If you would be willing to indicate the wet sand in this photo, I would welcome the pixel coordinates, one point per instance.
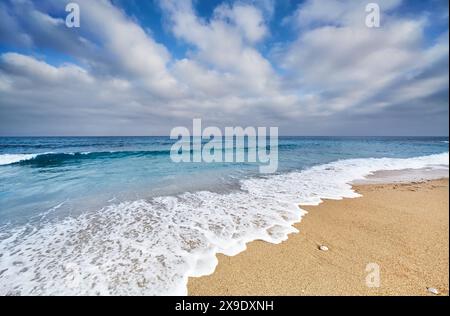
(402, 228)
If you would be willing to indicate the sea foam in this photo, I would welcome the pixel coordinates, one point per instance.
(8, 159)
(151, 247)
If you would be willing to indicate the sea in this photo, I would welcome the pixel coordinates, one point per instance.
(116, 216)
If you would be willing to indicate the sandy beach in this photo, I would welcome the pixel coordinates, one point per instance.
(403, 228)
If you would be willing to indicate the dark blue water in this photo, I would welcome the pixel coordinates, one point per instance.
(84, 173)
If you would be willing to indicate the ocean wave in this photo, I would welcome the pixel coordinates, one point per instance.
(8, 159)
(56, 158)
(151, 247)
(49, 159)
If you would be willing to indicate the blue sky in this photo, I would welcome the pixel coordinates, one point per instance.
(143, 67)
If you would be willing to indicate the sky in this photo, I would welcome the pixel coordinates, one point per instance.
(143, 67)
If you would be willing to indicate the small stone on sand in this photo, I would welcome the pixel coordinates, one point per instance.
(323, 248)
(433, 290)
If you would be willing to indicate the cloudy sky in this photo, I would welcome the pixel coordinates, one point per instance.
(137, 67)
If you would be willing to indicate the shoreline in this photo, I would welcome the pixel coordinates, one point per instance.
(402, 227)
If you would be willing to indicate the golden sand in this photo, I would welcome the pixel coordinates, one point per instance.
(403, 228)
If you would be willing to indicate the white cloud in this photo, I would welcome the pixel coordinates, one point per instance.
(248, 20)
(131, 50)
(39, 72)
(336, 12)
(351, 66)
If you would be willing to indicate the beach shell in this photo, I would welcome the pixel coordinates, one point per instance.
(433, 290)
(323, 248)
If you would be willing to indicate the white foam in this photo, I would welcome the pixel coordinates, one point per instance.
(151, 247)
(404, 176)
(8, 159)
